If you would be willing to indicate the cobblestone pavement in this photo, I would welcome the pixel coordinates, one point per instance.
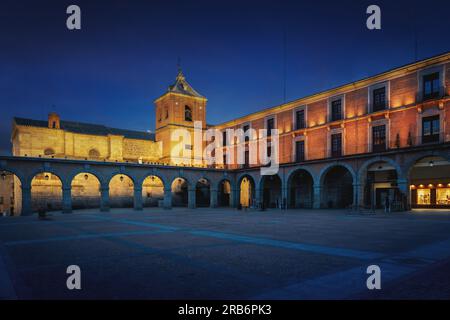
(226, 254)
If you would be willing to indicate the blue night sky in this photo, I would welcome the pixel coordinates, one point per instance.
(231, 51)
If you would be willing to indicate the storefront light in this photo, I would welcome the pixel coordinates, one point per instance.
(430, 185)
(421, 186)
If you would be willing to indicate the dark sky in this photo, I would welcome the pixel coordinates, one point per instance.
(231, 51)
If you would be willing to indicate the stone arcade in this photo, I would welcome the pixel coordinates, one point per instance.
(383, 137)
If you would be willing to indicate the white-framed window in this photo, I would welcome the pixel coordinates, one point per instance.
(299, 118)
(431, 83)
(336, 108)
(270, 123)
(430, 126)
(299, 149)
(378, 135)
(246, 127)
(336, 142)
(379, 96)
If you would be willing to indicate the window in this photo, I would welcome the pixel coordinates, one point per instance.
(424, 196)
(224, 159)
(430, 129)
(300, 119)
(188, 146)
(270, 126)
(224, 138)
(54, 124)
(336, 145)
(246, 159)
(166, 111)
(1, 200)
(93, 153)
(431, 86)
(187, 113)
(379, 138)
(379, 99)
(299, 151)
(49, 152)
(246, 128)
(336, 110)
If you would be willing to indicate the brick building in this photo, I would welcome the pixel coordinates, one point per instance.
(383, 139)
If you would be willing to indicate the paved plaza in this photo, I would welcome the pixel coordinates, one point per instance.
(225, 254)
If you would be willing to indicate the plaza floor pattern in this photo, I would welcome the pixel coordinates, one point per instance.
(226, 254)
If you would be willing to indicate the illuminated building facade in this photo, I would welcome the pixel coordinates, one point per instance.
(377, 141)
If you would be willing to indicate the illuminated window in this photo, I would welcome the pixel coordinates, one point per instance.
(423, 196)
(443, 196)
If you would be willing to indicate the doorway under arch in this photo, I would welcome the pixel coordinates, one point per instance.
(46, 192)
(152, 191)
(300, 190)
(179, 189)
(271, 191)
(85, 191)
(121, 191)
(337, 188)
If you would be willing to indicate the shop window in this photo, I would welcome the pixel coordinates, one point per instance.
(443, 196)
(423, 196)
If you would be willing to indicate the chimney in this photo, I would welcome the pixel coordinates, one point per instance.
(53, 121)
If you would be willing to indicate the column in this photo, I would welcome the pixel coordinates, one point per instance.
(258, 200)
(191, 198)
(67, 200)
(137, 198)
(403, 186)
(167, 198)
(356, 196)
(284, 198)
(213, 198)
(26, 201)
(104, 201)
(317, 196)
(233, 198)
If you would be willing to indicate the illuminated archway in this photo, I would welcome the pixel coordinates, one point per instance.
(46, 192)
(152, 191)
(246, 191)
(121, 191)
(85, 191)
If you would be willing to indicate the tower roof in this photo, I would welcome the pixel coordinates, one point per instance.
(181, 86)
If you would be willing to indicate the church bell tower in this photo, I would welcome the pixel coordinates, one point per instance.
(178, 108)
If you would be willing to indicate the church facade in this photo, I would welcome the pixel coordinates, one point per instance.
(380, 140)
